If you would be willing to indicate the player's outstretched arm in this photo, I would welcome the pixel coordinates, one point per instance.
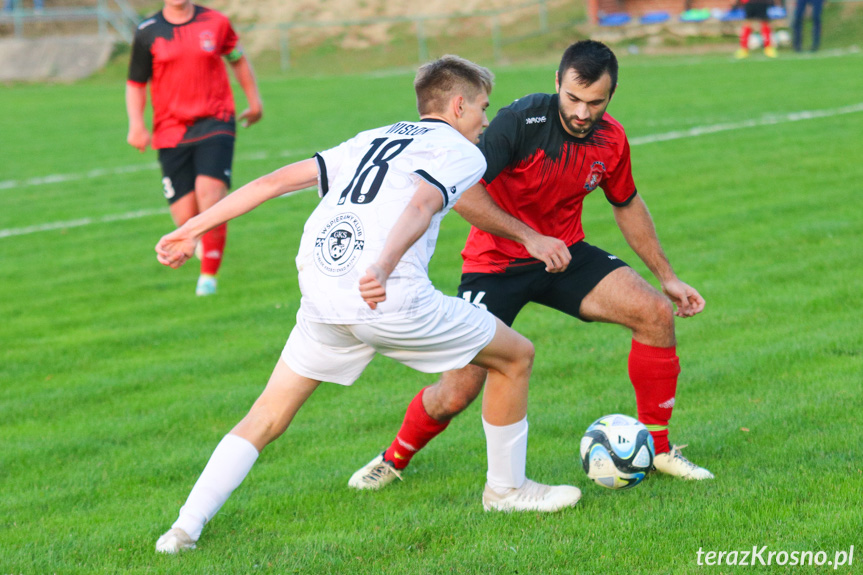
(479, 209)
(636, 224)
(175, 248)
(246, 77)
(411, 225)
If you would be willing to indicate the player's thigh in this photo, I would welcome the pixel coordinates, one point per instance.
(508, 351)
(183, 209)
(326, 352)
(178, 174)
(625, 298)
(208, 191)
(566, 291)
(446, 335)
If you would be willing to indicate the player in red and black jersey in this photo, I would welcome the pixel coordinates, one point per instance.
(756, 15)
(179, 52)
(545, 153)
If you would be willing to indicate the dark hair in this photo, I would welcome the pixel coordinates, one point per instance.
(436, 82)
(590, 60)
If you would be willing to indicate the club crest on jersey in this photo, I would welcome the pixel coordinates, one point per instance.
(208, 44)
(597, 171)
(339, 245)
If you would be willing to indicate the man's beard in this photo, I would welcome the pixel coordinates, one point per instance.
(572, 127)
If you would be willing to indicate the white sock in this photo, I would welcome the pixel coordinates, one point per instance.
(507, 455)
(231, 461)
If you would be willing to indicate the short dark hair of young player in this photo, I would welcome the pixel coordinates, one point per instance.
(590, 60)
(438, 81)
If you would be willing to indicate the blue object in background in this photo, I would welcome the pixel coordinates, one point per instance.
(733, 15)
(776, 12)
(655, 18)
(615, 19)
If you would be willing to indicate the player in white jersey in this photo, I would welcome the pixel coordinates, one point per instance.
(366, 184)
(362, 266)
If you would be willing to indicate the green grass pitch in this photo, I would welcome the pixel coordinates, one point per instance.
(116, 382)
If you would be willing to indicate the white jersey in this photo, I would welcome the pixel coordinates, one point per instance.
(365, 184)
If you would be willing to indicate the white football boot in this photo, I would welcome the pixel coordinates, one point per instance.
(375, 474)
(531, 496)
(174, 541)
(673, 463)
(206, 286)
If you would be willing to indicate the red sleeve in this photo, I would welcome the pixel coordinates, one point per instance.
(618, 185)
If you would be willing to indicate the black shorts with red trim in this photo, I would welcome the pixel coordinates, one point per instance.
(505, 294)
(207, 150)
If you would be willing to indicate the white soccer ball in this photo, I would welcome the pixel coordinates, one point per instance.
(617, 451)
(782, 37)
(755, 41)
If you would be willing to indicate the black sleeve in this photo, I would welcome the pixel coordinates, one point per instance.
(141, 63)
(498, 143)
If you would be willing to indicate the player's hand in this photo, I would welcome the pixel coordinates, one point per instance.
(251, 115)
(175, 248)
(551, 251)
(688, 301)
(139, 138)
(373, 286)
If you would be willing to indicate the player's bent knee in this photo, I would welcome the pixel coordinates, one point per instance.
(655, 324)
(522, 356)
(665, 313)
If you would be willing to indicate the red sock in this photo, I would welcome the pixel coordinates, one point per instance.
(213, 245)
(653, 372)
(744, 36)
(766, 34)
(418, 428)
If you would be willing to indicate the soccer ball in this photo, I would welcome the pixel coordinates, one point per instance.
(755, 41)
(617, 451)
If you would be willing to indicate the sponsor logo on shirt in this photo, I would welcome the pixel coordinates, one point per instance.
(535, 120)
(208, 44)
(597, 171)
(339, 245)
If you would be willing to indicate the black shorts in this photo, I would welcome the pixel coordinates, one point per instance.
(756, 11)
(504, 295)
(181, 165)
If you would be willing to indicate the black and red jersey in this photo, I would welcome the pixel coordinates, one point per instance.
(188, 79)
(540, 174)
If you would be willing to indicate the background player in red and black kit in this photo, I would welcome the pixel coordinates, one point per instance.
(756, 15)
(179, 51)
(545, 153)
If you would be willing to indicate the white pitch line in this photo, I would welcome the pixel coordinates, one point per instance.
(102, 172)
(768, 120)
(78, 223)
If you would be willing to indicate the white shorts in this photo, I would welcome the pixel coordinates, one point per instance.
(447, 337)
